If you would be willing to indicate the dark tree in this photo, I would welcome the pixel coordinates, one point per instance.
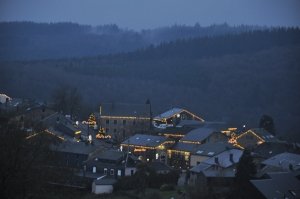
(246, 170)
(266, 122)
(67, 100)
(24, 158)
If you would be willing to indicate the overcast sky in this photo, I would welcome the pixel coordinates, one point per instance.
(142, 14)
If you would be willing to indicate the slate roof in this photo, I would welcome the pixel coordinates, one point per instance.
(145, 140)
(159, 166)
(269, 149)
(224, 168)
(198, 135)
(224, 160)
(108, 155)
(175, 130)
(284, 160)
(187, 147)
(280, 184)
(200, 167)
(124, 109)
(211, 149)
(74, 147)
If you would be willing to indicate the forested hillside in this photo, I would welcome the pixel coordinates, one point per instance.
(28, 40)
(234, 78)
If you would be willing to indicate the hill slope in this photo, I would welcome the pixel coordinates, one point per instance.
(246, 76)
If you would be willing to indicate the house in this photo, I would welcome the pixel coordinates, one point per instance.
(110, 163)
(121, 120)
(174, 133)
(217, 171)
(204, 135)
(174, 117)
(277, 185)
(287, 162)
(267, 150)
(179, 154)
(208, 150)
(103, 185)
(160, 167)
(252, 138)
(147, 147)
(72, 154)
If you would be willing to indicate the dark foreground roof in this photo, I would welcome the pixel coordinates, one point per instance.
(278, 186)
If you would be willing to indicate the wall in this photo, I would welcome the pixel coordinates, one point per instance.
(197, 158)
(100, 189)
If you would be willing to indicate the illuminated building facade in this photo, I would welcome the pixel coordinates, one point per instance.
(147, 147)
(121, 120)
(175, 117)
(252, 138)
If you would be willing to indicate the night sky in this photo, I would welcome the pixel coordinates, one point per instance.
(143, 14)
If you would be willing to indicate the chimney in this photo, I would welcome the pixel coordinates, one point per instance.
(231, 157)
(217, 160)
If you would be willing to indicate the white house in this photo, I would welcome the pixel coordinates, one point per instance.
(103, 185)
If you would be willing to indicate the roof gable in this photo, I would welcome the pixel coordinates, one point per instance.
(173, 112)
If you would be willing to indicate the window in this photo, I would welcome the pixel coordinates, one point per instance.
(112, 172)
(119, 172)
(115, 121)
(198, 162)
(107, 121)
(94, 169)
(124, 122)
(105, 171)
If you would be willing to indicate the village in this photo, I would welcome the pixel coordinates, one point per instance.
(119, 140)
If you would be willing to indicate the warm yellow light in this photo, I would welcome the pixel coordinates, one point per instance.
(139, 150)
(77, 132)
(123, 117)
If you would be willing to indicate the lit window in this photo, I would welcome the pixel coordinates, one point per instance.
(119, 172)
(112, 172)
(105, 171)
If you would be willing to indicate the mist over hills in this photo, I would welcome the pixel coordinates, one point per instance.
(30, 41)
(227, 77)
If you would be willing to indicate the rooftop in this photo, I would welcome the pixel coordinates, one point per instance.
(74, 147)
(284, 161)
(145, 140)
(198, 135)
(211, 149)
(172, 112)
(279, 185)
